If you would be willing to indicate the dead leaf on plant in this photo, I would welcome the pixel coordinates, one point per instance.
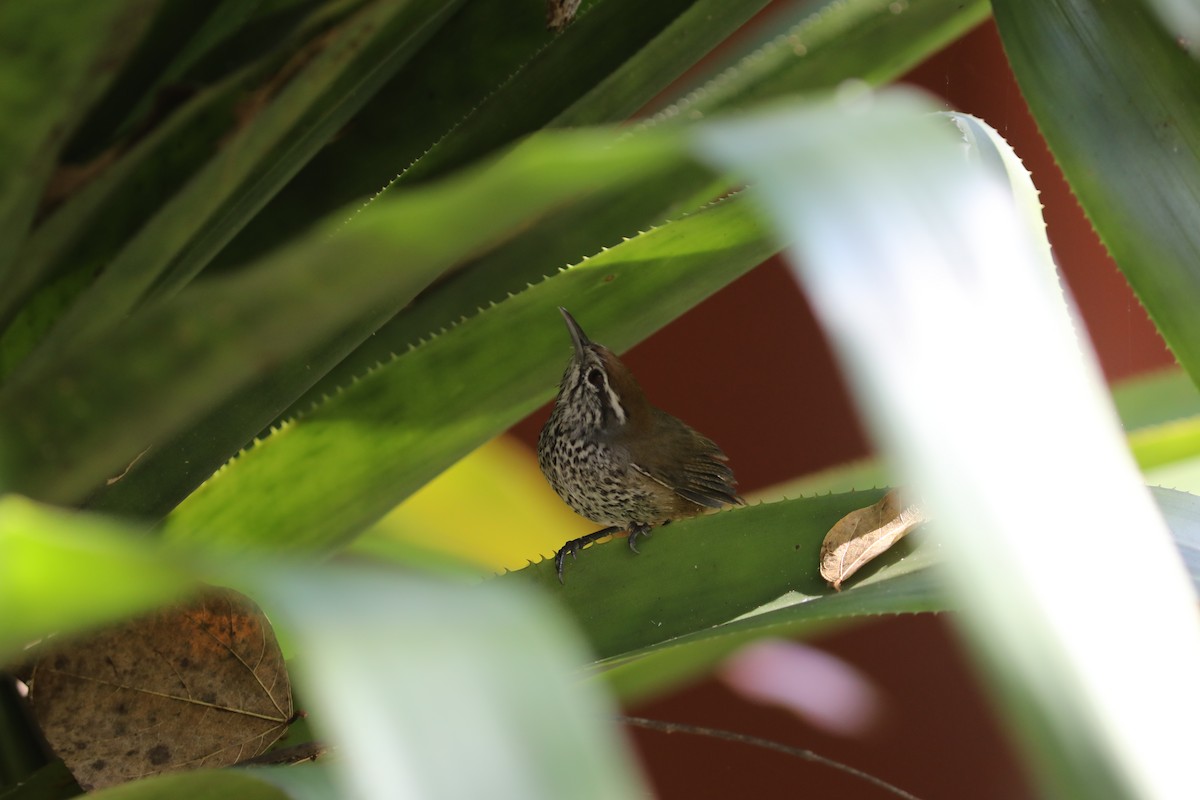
(199, 685)
(864, 534)
(559, 14)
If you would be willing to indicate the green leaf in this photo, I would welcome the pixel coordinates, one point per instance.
(1156, 398)
(543, 249)
(348, 461)
(55, 59)
(559, 239)
(62, 572)
(432, 676)
(191, 45)
(535, 250)
(299, 781)
(553, 78)
(907, 583)
(1161, 411)
(88, 415)
(52, 781)
(540, 249)
(343, 75)
(816, 46)
(288, 119)
(141, 77)
(95, 221)
(1169, 443)
(589, 226)
(703, 588)
(892, 590)
(491, 75)
(1181, 475)
(697, 573)
(518, 80)
(137, 175)
(326, 293)
(1118, 100)
(652, 69)
(434, 90)
(852, 40)
(209, 784)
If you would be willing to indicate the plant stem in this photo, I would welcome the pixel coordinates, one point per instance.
(766, 744)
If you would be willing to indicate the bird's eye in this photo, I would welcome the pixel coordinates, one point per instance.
(596, 378)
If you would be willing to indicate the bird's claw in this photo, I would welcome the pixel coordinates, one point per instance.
(572, 547)
(575, 545)
(635, 533)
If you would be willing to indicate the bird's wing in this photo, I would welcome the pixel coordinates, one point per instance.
(689, 464)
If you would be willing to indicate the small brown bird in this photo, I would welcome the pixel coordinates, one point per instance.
(618, 460)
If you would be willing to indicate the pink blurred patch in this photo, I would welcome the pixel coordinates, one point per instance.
(814, 685)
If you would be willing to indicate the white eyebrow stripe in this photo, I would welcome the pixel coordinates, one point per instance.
(614, 401)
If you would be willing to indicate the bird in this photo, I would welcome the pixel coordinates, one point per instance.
(620, 461)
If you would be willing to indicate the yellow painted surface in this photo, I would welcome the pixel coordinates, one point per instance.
(493, 508)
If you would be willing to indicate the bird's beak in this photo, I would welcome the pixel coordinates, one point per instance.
(578, 337)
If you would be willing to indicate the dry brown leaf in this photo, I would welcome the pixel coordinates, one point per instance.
(559, 14)
(864, 534)
(199, 685)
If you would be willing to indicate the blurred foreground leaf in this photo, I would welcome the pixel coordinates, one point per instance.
(63, 572)
(915, 258)
(432, 676)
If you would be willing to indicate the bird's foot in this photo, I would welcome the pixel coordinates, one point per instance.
(637, 532)
(573, 547)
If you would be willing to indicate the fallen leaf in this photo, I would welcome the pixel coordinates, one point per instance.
(198, 685)
(864, 534)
